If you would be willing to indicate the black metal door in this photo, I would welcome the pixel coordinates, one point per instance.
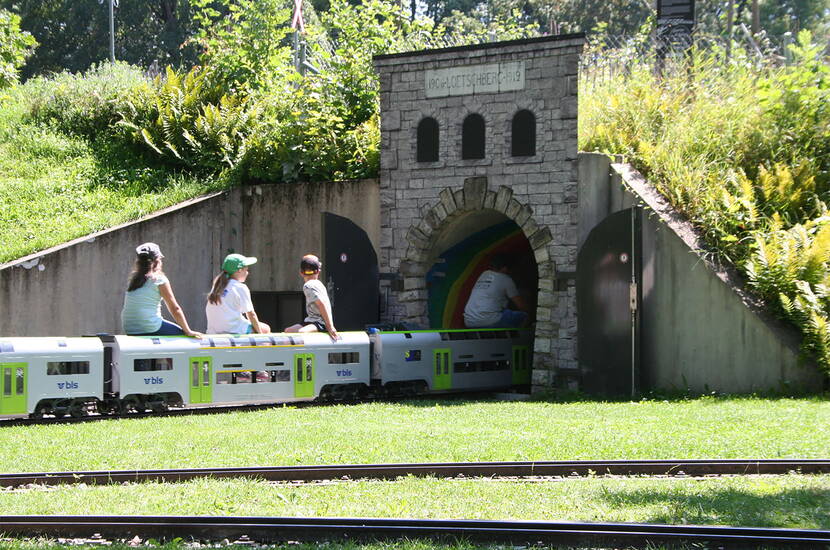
(350, 266)
(608, 298)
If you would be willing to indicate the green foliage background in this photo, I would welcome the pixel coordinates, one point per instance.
(742, 147)
(15, 47)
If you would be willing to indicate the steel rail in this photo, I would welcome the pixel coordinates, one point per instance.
(272, 529)
(700, 467)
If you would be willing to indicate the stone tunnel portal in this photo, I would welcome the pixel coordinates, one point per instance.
(462, 251)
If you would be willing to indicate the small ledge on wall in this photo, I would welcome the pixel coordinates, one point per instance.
(437, 165)
(476, 162)
(535, 159)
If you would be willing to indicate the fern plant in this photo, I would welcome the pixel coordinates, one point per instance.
(189, 122)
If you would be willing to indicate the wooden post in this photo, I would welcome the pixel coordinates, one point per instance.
(756, 18)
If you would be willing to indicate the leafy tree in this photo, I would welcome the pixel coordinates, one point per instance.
(15, 47)
(551, 16)
(776, 16)
(74, 34)
(244, 42)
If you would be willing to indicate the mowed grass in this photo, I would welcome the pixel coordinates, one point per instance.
(432, 430)
(55, 188)
(328, 545)
(761, 501)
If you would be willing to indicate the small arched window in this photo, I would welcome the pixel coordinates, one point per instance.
(427, 141)
(472, 137)
(523, 134)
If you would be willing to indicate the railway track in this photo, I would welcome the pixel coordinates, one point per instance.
(678, 468)
(150, 414)
(249, 530)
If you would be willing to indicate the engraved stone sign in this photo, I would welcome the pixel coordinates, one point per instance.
(476, 79)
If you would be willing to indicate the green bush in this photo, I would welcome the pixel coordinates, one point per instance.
(15, 47)
(187, 121)
(743, 149)
(88, 104)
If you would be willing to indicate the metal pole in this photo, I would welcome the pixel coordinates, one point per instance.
(730, 25)
(112, 30)
(633, 303)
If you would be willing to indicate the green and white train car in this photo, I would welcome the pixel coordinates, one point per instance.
(422, 361)
(108, 374)
(156, 372)
(50, 375)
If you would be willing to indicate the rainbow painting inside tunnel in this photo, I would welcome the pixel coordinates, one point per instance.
(451, 278)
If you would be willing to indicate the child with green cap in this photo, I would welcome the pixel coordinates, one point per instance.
(229, 308)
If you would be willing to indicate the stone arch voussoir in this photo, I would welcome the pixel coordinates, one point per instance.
(474, 195)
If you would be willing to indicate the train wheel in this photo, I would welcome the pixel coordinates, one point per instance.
(159, 407)
(338, 393)
(134, 405)
(38, 412)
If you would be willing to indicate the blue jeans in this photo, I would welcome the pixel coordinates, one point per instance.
(166, 329)
(511, 319)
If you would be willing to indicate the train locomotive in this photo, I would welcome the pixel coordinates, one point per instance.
(116, 374)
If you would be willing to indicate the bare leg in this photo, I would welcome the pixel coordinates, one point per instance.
(293, 328)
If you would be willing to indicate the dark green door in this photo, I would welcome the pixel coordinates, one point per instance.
(521, 365)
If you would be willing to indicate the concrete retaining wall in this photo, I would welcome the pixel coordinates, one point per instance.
(78, 288)
(701, 329)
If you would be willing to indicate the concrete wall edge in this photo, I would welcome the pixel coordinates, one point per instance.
(92, 236)
(728, 274)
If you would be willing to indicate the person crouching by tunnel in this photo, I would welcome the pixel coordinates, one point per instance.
(229, 308)
(494, 289)
(319, 317)
(147, 287)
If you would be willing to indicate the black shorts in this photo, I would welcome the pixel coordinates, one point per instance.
(320, 326)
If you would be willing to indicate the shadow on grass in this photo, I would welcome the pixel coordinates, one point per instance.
(464, 399)
(132, 173)
(555, 396)
(789, 508)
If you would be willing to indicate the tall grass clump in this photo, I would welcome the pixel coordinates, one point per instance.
(742, 147)
(87, 104)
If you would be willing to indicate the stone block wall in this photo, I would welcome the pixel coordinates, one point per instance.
(422, 200)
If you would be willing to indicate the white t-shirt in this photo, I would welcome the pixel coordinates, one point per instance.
(488, 299)
(226, 316)
(315, 290)
(142, 307)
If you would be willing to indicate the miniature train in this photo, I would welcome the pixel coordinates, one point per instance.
(119, 374)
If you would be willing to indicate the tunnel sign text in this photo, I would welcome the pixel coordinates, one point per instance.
(476, 79)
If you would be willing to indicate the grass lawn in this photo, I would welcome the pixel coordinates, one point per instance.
(55, 188)
(432, 431)
(442, 430)
(758, 501)
(386, 545)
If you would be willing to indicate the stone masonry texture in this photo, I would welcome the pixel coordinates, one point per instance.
(422, 200)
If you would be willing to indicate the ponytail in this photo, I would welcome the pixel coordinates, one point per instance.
(219, 284)
(144, 265)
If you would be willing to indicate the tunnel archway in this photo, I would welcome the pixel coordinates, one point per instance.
(461, 253)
